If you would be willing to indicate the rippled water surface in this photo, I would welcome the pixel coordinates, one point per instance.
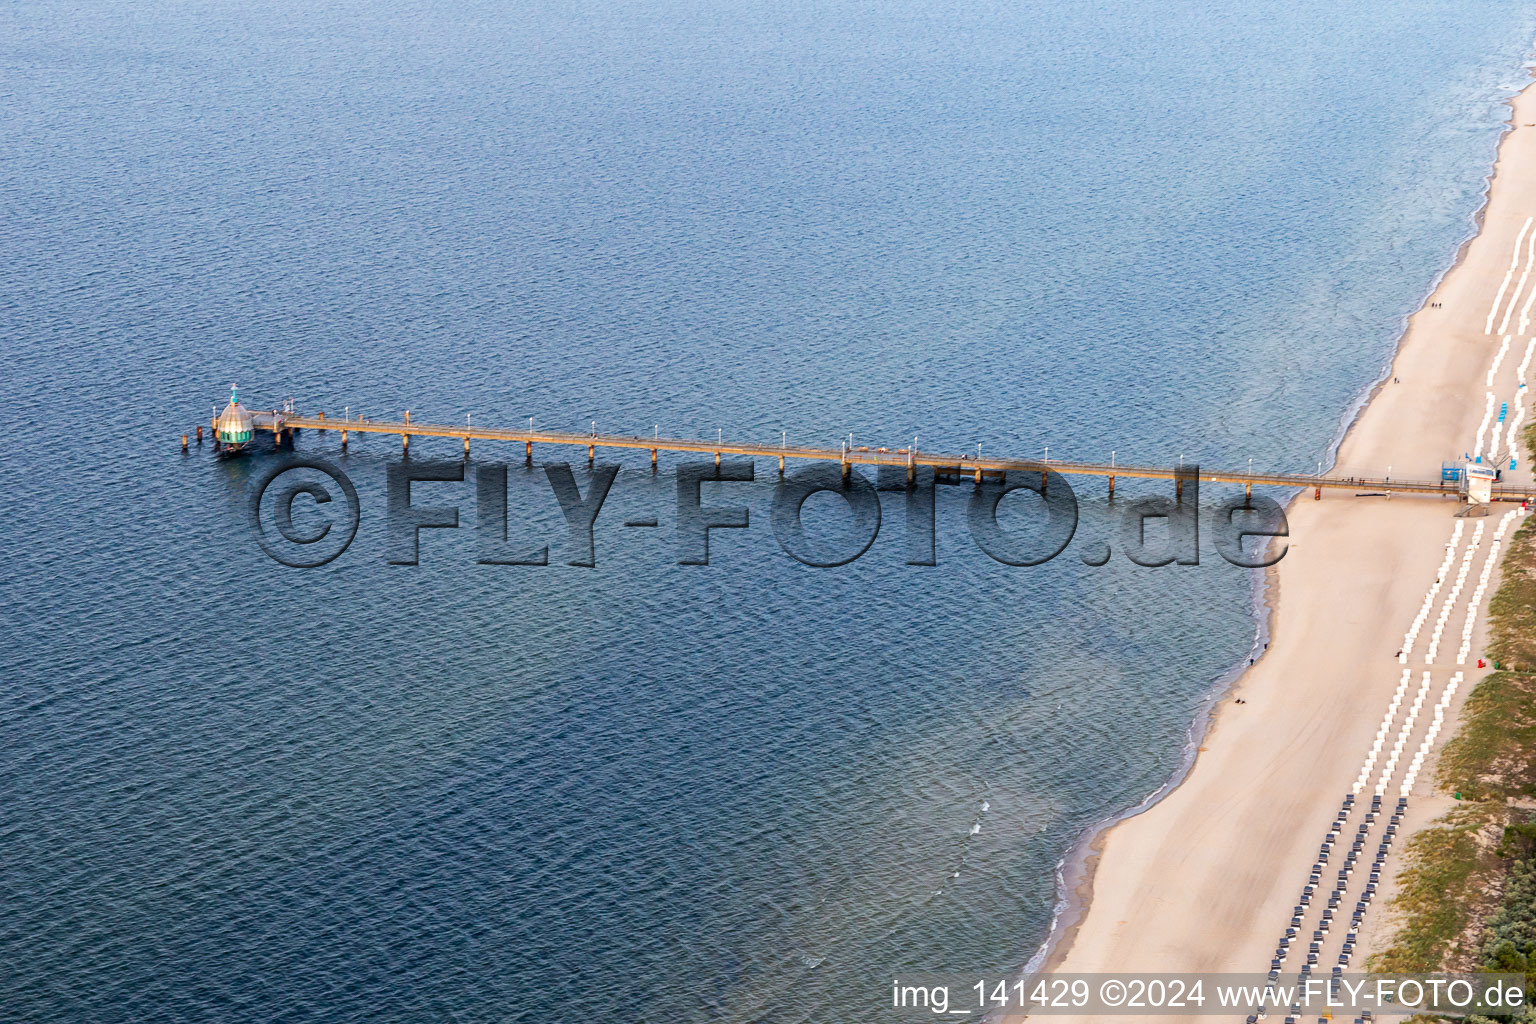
(643, 791)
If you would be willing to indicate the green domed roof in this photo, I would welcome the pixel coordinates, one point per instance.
(233, 425)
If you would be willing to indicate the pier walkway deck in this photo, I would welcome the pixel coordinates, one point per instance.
(949, 467)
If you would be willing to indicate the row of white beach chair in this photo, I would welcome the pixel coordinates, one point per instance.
(1390, 757)
(1411, 719)
(1529, 237)
(1412, 636)
(1522, 392)
(1489, 565)
(1430, 735)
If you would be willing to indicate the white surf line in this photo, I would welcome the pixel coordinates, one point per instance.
(1530, 254)
(1514, 261)
(1499, 356)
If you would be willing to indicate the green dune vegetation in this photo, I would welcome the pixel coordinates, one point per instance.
(1467, 897)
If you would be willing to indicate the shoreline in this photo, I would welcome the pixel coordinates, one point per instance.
(1078, 873)
(1082, 857)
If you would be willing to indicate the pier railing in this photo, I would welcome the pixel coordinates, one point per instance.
(946, 465)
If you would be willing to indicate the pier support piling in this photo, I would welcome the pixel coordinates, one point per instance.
(322, 419)
(183, 442)
(285, 425)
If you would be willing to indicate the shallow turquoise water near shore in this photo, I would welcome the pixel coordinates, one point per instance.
(646, 791)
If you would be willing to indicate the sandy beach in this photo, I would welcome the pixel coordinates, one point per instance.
(1206, 879)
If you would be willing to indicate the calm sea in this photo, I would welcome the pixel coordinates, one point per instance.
(746, 792)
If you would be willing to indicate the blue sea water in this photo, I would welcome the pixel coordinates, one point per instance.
(752, 791)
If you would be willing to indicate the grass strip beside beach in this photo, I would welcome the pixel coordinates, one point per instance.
(1462, 899)
(1446, 886)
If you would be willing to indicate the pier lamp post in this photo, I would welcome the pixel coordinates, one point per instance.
(1047, 455)
(530, 424)
(655, 431)
(1250, 465)
(346, 413)
(719, 435)
(783, 439)
(594, 428)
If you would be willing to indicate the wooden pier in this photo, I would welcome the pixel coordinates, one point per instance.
(948, 468)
